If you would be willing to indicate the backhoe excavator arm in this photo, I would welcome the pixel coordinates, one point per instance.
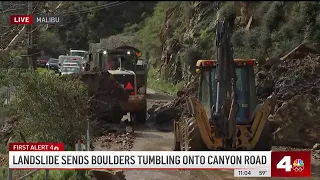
(224, 111)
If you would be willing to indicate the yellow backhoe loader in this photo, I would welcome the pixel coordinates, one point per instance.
(226, 115)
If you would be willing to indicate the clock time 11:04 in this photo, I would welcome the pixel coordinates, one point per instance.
(244, 173)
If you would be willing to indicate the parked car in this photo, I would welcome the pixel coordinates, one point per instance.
(73, 64)
(72, 61)
(70, 64)
(69, 70)
(42, 61)
(53, 64)
(62, 58)
(80, 63)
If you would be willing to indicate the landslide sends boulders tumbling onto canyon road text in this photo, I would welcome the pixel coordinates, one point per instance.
(139, 159)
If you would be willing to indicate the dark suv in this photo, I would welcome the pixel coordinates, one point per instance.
(53, 64)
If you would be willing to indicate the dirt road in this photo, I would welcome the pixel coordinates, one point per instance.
(150, 138)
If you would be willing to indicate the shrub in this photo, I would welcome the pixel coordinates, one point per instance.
(238, 37)
(161, 85)
(149, 33)
(50, 108)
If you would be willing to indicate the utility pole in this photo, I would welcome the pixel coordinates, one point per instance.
(35, 35)
(29, 28)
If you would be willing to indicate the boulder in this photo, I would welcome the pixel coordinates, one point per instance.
(265, 88)
(262, 74)
(170, 111)
(107, 175)
(298, 122)
(152, 109)
(166, 114)
(107, 97)
(316, 146)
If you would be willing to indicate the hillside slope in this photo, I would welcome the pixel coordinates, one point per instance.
(263, 31)
(185, 31)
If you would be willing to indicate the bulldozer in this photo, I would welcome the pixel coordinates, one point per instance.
(121, 64)
(226, 114)
(140, 66)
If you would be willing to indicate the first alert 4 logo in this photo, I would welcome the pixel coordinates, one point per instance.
(34, 147)
(148, 161)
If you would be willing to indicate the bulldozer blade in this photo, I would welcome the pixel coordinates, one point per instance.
(135, 103)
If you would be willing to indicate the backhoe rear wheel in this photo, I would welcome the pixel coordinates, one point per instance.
(265, 140)
(191, 137)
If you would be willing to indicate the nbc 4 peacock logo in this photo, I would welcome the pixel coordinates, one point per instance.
(298, 165)
(291, 164)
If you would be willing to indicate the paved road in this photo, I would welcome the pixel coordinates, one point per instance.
(151, 91)
(149, 139)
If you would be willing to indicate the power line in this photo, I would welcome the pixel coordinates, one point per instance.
(70, 13)
(90, 9)
(95, 8)
(109, 5)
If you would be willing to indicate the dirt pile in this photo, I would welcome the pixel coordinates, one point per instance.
(107, 175)
(106, 98)
(296, 83)
(120, 141)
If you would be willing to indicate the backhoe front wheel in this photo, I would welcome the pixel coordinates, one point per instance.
(191, 139)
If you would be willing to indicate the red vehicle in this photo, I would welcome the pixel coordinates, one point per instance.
(42, 61)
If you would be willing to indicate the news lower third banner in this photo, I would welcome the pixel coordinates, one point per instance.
(138, 160)
(243, 163)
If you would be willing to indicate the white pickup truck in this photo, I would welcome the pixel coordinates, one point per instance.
(80, 53)
(64, 58)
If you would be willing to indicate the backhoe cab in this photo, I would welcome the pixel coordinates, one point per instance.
(226, 114)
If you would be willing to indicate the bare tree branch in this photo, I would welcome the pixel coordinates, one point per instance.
(14, 40)
(9, 10)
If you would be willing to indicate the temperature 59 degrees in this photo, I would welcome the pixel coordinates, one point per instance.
(262, 173)
(291, 164)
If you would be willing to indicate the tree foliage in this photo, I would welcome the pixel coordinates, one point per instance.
(149, 32)
(278, 27)
(83, 22)
(81, 28)
(50, 44)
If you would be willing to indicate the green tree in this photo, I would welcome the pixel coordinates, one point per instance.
(50, 108)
